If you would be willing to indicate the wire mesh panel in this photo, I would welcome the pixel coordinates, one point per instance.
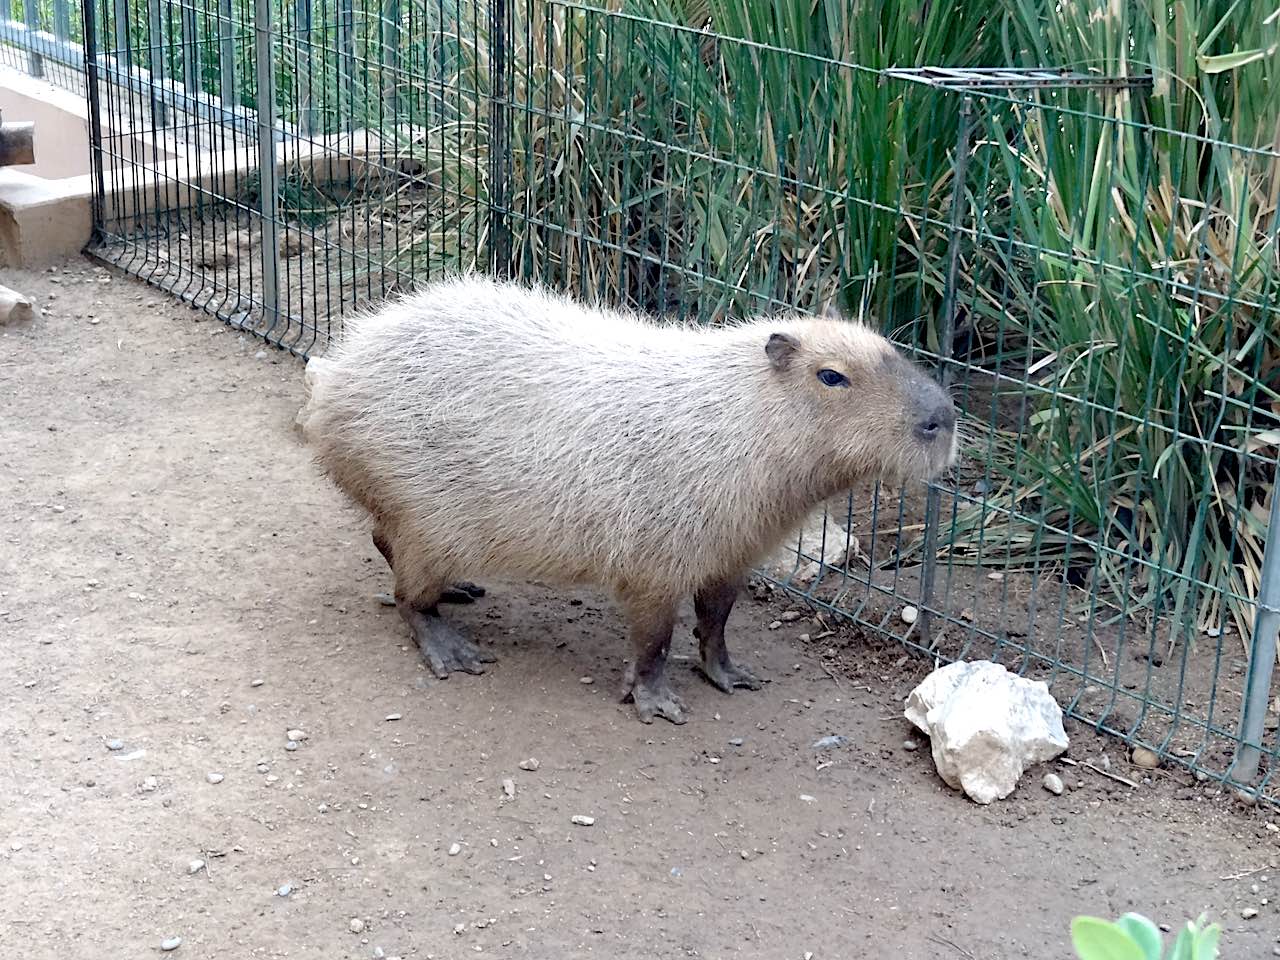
(1096, 289)
(1116, 354)
(279, 164)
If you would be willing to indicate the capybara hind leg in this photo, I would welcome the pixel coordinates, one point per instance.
(442, 647)
(712, 605)
(646, 682)
(461, 592)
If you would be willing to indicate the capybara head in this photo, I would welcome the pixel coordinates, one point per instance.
(868, 410)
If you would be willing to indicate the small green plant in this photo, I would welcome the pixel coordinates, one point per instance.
(1134, 937)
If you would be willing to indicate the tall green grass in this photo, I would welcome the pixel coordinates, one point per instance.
(1144, 281)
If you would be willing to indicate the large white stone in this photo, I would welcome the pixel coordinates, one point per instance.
(822, 537)
(986, 726)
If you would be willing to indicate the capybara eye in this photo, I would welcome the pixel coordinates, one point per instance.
(833, 378)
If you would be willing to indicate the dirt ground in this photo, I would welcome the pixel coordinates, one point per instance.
(176, 576)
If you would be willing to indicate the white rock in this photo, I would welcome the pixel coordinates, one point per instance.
(455, 849)
(909, 615)
(582, 821)
(1053, 783)
(295, 734)
(986, 726)
(356, 925)
(833, 550)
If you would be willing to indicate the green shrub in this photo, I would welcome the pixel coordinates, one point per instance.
(1134, 937)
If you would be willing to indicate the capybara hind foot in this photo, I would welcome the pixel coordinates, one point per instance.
(462, 592)
(657, 699)
(724, 674)
(443, 647)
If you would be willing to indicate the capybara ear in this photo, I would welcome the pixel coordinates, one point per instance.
(780, 349)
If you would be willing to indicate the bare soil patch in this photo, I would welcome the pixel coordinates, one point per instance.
(166, 544)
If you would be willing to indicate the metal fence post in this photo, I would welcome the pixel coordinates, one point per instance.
(499, 143)
(62, 19)
(1262, 651)
(31, 13)
(390, 59)
(264, 69)
(190, 48)
(155, 60)
(120, 18)
(226, 54)
(302, 27)
(90, 15)
(347, 47)
(959, 170)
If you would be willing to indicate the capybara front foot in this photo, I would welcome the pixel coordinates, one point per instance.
(443, 647)
(654, 697)
(462, 592)
(724, 674)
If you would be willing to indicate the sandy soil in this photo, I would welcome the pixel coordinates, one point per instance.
(175, 575)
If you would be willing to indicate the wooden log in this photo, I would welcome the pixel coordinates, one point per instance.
(17, 144)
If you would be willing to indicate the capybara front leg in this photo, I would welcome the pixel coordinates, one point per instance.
(443, 647)
(646, 682)
(461, 592)
(712, 605)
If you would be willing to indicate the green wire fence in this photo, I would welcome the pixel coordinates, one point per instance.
(1071, 213)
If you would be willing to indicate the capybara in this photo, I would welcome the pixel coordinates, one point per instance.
(491, 429)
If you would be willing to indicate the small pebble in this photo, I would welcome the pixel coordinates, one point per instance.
(775, 624)
(455, 849)
(582, 821)
(530, 764)
(150, 784)
(391, 716)
(115, 744)
(296, 734)
(291, 745)
(736, 741)
(1053, 783)
(910, 745)
(807, 798)
(378, 953)
(509, 787)
(173, 943)
(214, 777)
(195, 866)
(263, 768)
(909, 615)
(586, 680)
(1147, 759)
(1248, 913)
(257, 683)
(833, 742)
(284, 890)
(789, 616)
(356, 925)
(260, 355)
